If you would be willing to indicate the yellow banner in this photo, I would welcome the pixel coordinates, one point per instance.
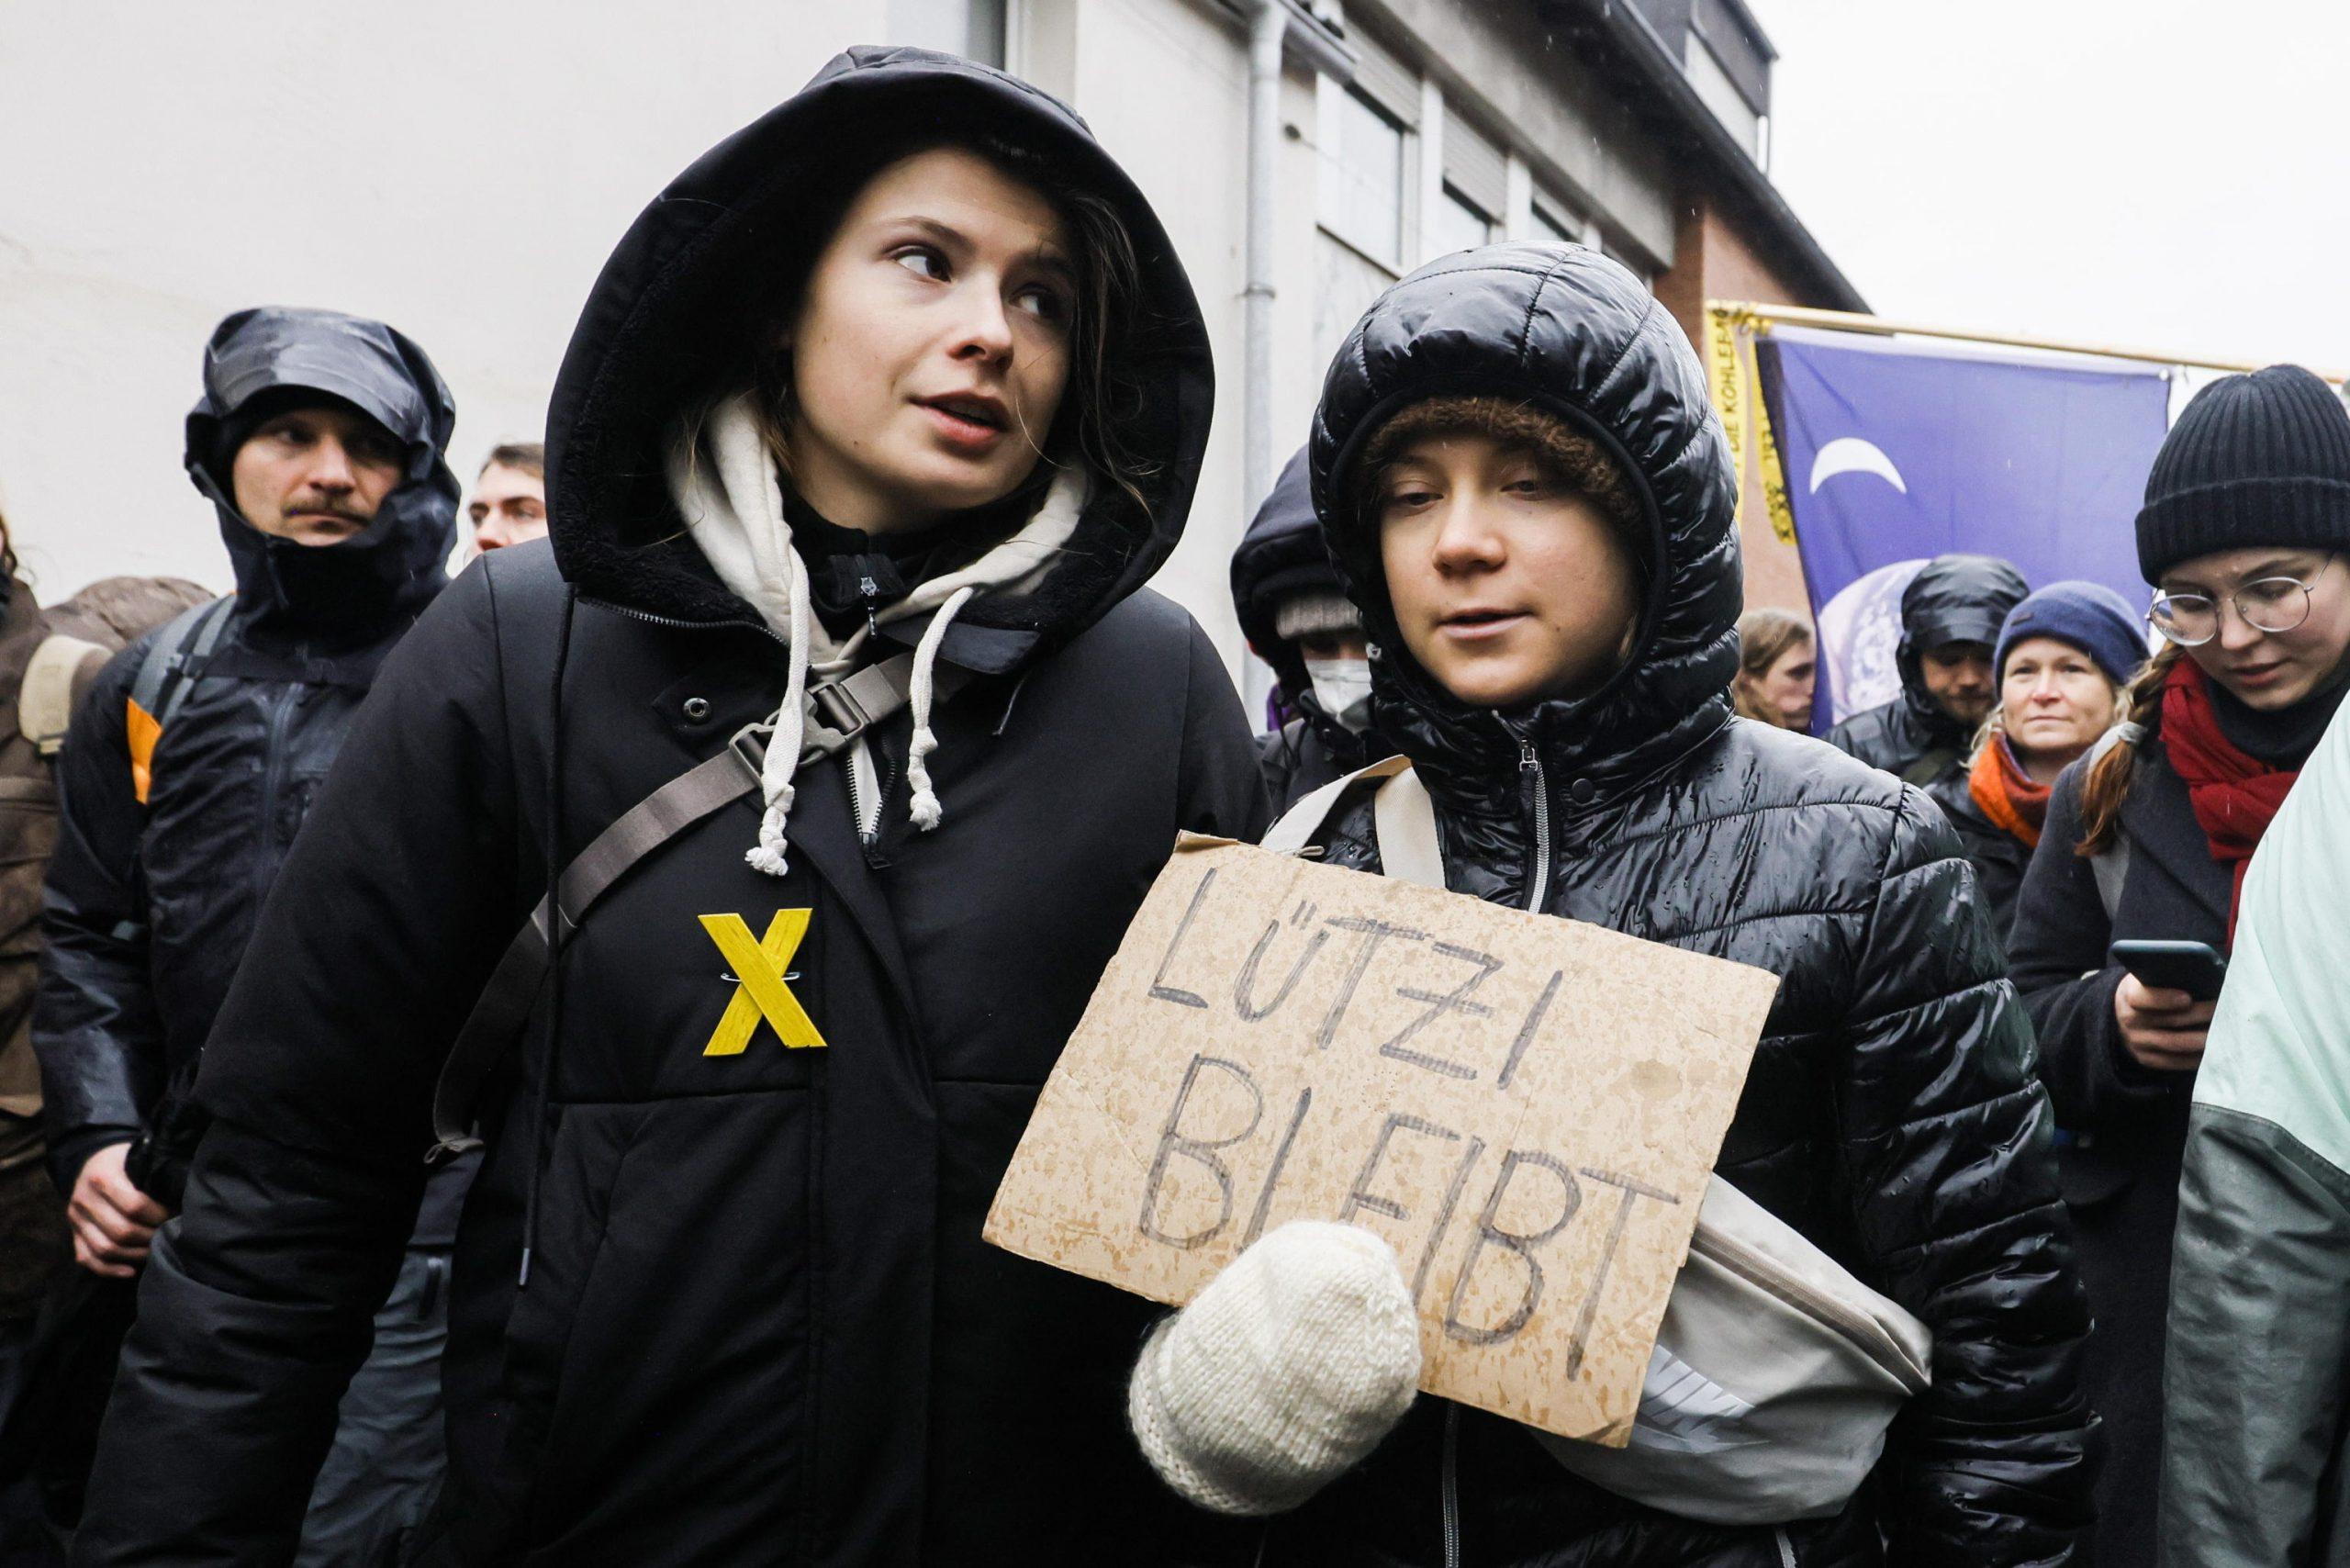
(1730, 332)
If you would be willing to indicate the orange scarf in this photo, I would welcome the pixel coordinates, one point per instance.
(2006, 794)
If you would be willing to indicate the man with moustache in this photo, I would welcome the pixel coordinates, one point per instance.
(1950, 618)
(191, 763)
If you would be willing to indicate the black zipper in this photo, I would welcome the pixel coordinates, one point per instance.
(1534, 782)
(1537, 888)
(1452, 1486)
(672, 621)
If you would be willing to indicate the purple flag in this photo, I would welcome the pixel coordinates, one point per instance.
(1894, 454)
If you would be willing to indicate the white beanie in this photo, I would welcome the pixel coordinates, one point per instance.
(1316, 609)
(1285, 1372)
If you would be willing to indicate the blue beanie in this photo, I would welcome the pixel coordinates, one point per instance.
(2090, 616)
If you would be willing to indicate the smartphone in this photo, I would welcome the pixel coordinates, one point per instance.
(2195, 968)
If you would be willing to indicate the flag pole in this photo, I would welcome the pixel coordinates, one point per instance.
(1847, 321)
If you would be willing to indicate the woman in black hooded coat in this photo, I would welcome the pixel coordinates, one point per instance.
(719, 1295)
(1891, 1115)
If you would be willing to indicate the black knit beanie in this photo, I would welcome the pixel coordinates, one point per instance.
(2261, 459)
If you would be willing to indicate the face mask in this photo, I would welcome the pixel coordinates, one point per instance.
(1343, 688)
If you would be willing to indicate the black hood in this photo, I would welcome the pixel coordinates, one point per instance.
(381, 578)
(1572, 332)
(667, 326)
(1955, 598)
(1282, 555)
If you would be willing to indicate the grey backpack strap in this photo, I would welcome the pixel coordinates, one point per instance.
(176, 657)
(1302, 823)
(1404, 815)
(2111, 868)
(45, 700)
(1402, 820)
(1930, 767)
(840, 711)
(505, 1002)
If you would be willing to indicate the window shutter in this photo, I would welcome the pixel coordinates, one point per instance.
(1474, 166)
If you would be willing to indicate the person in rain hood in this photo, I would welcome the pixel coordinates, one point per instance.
(1297, 619)
(1527, 493)
(1951, 614)
(901, 387)
(319, 441)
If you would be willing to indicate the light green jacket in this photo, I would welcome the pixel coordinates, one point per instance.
(2257, 1374)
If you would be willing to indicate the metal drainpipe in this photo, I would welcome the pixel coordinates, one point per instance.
(1268, 21)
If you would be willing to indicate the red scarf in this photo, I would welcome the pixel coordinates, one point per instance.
(2235, 795)
(2006, 793)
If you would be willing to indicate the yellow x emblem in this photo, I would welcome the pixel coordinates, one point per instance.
(761, 994)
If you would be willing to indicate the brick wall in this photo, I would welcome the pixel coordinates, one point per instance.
(1710, 262)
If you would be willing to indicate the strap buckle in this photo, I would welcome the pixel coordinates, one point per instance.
(750, 743)
(840, 712)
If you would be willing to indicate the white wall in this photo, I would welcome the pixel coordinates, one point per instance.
(460, 171)
(1164, 83)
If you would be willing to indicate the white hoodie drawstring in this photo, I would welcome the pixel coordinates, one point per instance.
(791, 728)
(925, 808)
(728, 491)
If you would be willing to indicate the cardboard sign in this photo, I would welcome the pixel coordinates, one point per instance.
(1526, 1108)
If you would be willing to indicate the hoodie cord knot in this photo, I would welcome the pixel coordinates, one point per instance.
(789, 730)
(925, 808)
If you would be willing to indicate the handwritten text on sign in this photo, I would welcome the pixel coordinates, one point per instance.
(1526, 1108)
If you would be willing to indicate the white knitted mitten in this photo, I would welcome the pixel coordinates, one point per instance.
(1286, 1370)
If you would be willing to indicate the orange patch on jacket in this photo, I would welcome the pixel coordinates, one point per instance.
(144, 732)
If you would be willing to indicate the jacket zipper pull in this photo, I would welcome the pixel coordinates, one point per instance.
(1527, 761)
(871, 590)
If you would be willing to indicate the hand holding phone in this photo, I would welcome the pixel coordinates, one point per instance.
(2164, 1005)
(2195, 968)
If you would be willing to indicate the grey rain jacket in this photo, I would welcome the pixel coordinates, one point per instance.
(1955, 598)
(1279, 555)
(760, 1324)
(2257, 1374)
(1891, 1113)
(150, 907)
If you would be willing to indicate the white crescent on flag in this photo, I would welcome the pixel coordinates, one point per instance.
(1851, 455)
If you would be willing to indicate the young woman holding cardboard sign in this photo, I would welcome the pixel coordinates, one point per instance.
(1519, 477)
(904, 377)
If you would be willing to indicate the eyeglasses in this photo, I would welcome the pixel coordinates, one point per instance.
(2264, 604)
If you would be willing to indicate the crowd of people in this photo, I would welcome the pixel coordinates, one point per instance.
(392, 1174)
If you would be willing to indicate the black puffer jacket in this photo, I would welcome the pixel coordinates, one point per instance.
(1955, 598)
(1891, 1113)
(1281, 554)
(150, 906)
(1997, 855)
(760, 1324)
